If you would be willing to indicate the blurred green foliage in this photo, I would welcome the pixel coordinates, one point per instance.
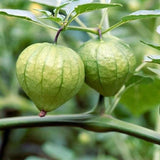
(138, 104)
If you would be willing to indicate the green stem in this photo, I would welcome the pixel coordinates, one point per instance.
(140, 66)
(71, 19)
(47, 26)
(104, 18)
(114, 26)
(108, 105)
(89, 122)
(116, 100)
(82, 25)
(104, 14)
(90, 30)
(80, 22)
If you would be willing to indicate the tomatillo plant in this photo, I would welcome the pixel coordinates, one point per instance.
(51, 74)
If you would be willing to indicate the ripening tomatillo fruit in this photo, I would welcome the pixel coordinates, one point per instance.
(50, 74)
(108, 64)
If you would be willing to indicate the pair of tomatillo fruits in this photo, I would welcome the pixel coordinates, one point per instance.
(51, 74)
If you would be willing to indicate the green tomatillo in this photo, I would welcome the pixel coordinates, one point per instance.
(108, 64)
(50, 74)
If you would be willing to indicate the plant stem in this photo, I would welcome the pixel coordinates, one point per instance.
(114, 26)
(89, 122)
(99, 33)
(90, 30)
(82, 25)
(57, 35)
(140, 66)
(104, 15)
(116, 100)
(47, 26)
(71, 19)
(80, 22)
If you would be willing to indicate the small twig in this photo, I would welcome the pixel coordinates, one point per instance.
(77, 28)
(114, 26)
(117, 99)
(82, 25)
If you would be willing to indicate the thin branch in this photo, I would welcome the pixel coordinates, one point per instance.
(116, 100)
(114, 26)
(105, 18)
(47, 26)
(91, 30)
(80, 22)
(82, 25)
(86, 121)
(140, 66)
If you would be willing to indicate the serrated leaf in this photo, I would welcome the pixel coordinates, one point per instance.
(142, 97)
(151, 45)
(152, 59)
(93, 6)
(141, 14)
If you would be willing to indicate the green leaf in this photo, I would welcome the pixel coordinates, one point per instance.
(154, 70)
(138, 78)
(55, 19)
(45, 12)
(74, 3)
(93, 6)
(152, 59)
(26, 15)
(48, 15)
(58, 152)
(141, 14)
(53, 3)
(142, 97)
(152, 45)
(64, 5)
